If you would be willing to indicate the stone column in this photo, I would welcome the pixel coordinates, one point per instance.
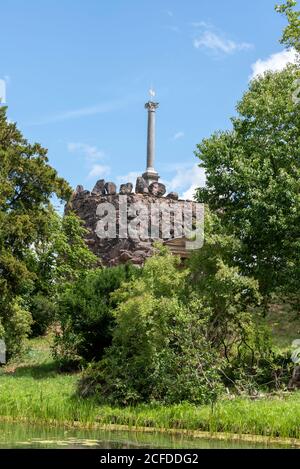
(151, 175)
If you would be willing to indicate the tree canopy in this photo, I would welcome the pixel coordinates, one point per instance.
(291, 34)
(253, 180)
(27, 183)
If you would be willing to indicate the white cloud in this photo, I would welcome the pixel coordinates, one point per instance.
(190, 193)
(92, 155)
(187, 179)
(275, 62)
(178, 135)
(90, 152)
(130, 177)
(99, 170)
(218, 44)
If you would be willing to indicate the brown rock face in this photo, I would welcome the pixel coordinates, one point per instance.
(99, 188)
(157, 189)
(173, 195)
(110, 188)
(139, 212)
(126, 188)
(141, 186)
(79, 189)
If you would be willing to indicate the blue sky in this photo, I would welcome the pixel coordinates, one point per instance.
(78, 73)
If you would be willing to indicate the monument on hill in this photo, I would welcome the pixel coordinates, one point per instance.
(122, 226)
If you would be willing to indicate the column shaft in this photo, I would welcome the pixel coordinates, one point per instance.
(151, 175)
(151, 139)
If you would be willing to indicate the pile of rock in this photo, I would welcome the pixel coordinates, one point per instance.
(118, 250)
(156, 189)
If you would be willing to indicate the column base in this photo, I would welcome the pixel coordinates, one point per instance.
(150, 176)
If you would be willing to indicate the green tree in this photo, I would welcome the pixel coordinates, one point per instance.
(236, 328)
(27, 183)
(229, 296)
(291, 34)
(57, 261)
(253, 181)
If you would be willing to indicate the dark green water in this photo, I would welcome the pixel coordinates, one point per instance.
(29, 436)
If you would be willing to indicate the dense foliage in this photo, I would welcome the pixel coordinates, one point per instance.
(180, 334)
(57, 261)
(27, 183)
(253, 181)
(237, 329)
(230, 296)
(291, 34)
(85, 315)
(160, 350)
(40, 252)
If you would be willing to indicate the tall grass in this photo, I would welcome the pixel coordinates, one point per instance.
(36, 392)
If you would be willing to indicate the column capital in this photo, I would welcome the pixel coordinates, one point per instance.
(151, 106)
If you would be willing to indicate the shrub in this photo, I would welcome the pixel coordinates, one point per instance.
(55, 262)
(85, 315)
(237, 327)
(15, 324)
(159, 351)
(257, 365)
(43, 314)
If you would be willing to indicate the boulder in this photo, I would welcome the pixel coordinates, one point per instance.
(126, 188)
(125, 256)
(82, 194)
(111, 188)
(140, 254)
(141, 186)
(79, 189)
(173, 196)
(99, 188)
(157, 189)
(79, 193)
(137, 261)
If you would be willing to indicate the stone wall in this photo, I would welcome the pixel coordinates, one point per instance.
(113, 251)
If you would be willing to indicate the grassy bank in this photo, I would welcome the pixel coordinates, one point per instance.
(34, 391)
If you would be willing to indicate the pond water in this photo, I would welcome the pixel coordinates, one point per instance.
(28, 436)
